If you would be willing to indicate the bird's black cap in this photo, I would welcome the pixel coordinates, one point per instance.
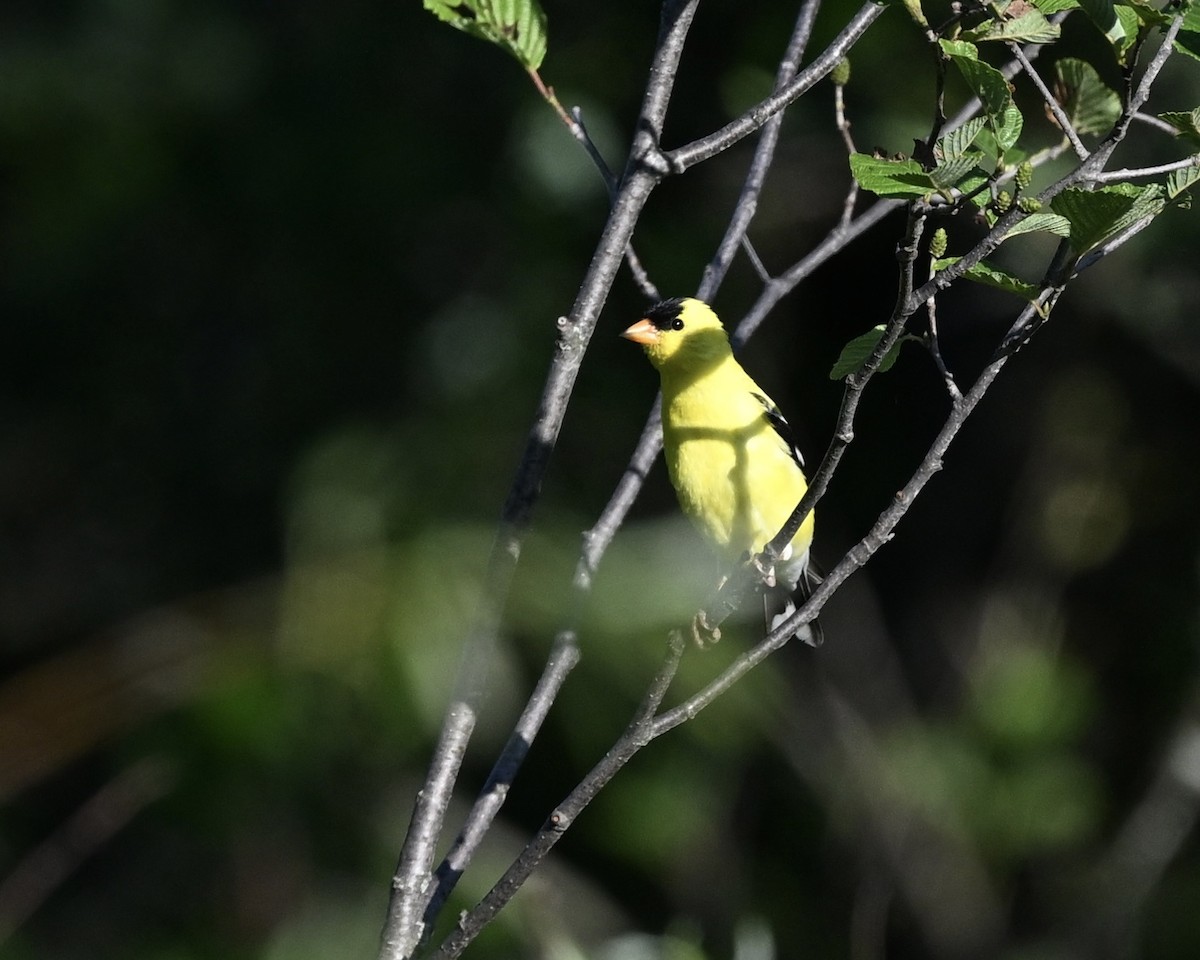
(665, 312)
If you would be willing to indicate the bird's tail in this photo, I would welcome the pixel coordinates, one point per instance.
(780, 601)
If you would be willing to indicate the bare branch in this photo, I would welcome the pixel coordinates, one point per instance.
(837, 240)
(1153, 121)
(636, 736)
(764, 156)
(843, 126)
(704, 148)
(1052, 104)
(563, 657)
(1113, 176)
(935, 348)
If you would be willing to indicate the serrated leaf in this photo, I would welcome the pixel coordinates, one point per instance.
(1187, 123)
(1051, 7)
(855, 353)
(1097, 215)
(970, 186)
(1146, 12)
(517, 26)
(893, 179)
(1090, 105)
(1181, 180)
(993, 276)
(1131, 25)
(1008, 127)
(1030, 27)
(951, 172)
(988, 83)
(956, 143)
(1042, 222)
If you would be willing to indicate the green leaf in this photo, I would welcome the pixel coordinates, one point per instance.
(1131, 25)
(1089, 104)
(956, 143)
(1042, 222)
(855, 353)
(1188, 39)
(992, 276)
(1008, 126)
(989, 85)
(1146, 13)
(970, 184)
(1097, 215)
(1187, 123)
(1010, 155)
(1029, 27)
(1182, 180)
(959, 48)
(893, 179)
(1188, 43)
(952, 172)
(517, 26)
(1051, 7)
(1104, 15)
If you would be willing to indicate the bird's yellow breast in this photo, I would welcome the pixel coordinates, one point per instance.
(734, 474)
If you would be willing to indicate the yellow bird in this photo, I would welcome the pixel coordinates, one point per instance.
(728, 449)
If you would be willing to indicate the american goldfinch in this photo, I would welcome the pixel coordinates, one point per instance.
(728, 449)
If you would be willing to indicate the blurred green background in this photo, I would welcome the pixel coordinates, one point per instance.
(278, 291)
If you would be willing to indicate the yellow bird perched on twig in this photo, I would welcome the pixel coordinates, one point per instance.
(729, 451)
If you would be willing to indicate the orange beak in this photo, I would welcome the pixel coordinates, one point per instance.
(643, 332)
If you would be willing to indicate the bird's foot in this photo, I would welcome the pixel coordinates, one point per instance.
(702, 634)
(765, 568)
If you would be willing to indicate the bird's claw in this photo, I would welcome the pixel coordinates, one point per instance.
(702, 634)
(765, 569)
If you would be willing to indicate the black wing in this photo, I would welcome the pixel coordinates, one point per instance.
(782, 427)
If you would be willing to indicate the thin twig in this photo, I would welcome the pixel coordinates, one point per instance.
(1110, 176)
(1052, 104)
(702, 149)
(563, 656)
(1152, 121)
(637, 734)
(579, 130)
(935, 347)
(843, 127)
(764, 157)
(837, 240)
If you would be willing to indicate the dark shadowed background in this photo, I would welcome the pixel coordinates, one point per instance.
(278, 286)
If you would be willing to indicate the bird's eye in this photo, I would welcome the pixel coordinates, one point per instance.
(676, 324)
